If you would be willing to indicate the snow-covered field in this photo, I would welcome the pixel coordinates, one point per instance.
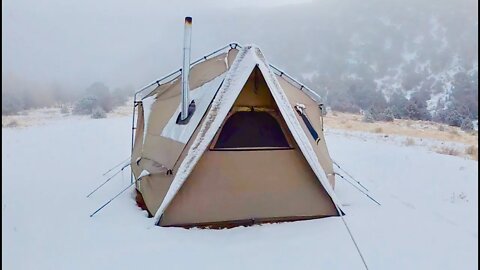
(427, 220)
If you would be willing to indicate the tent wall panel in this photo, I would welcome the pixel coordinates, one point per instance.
(236, 185)
(153, 189)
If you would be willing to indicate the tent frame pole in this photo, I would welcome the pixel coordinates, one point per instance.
(133, 133)
(301, 86)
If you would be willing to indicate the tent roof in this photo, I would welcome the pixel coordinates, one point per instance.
(246, 60)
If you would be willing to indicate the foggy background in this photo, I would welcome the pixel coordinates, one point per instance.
(411, 59)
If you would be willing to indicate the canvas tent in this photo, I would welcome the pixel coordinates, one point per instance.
(253, 151)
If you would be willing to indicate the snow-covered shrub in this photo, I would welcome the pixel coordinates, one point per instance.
(452, 117)
(465, 94)
(386, 115)
(98, 113)
(85, 105)
(12, 124)
(373, 114)
(11, 104)
(415, 111)
(102, 94)
(99, 95)
(472, 151)
(64, 109)
(368, 117)
(397, 104)
(467, 124)
(448, 151)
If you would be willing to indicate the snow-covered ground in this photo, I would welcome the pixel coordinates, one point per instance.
(427, 220)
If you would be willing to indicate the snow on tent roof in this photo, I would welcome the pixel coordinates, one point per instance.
(202, 96)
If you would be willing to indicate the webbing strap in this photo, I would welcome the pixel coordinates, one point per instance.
(305, 119)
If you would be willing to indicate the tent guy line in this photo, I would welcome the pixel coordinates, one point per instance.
(119, 164)
(349, 175)
(109, 201)
(370, 197)
(108, 179)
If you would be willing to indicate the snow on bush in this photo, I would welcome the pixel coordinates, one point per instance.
(85, 105)
(98, 113)
(467, 124)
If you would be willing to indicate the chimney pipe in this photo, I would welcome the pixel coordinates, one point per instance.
(186, 68)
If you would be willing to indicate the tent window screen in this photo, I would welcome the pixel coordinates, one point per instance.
(251, 130)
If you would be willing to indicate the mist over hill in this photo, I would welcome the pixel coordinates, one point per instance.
(356, 54)
(349, 49)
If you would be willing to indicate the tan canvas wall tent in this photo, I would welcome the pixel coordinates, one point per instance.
(230, 140)
(251, 149)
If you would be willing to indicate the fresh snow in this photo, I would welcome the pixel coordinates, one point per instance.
(202, 96)
(147, 108)
(144, 173)
(427, 220)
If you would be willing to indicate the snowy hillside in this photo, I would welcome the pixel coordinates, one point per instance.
(427, 220)
(396, 46)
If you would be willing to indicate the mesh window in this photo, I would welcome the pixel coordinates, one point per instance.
(251, 130)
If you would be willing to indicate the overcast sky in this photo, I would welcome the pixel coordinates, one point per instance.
(78, 42)
(129, 42)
